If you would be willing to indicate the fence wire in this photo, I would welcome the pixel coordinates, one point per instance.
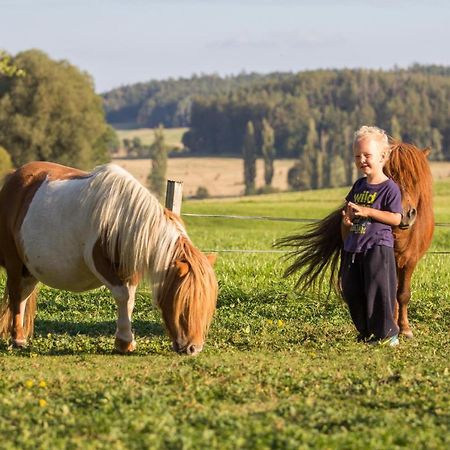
(271, 218)
(279, 219)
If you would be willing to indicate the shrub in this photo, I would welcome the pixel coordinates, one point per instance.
(202, 192)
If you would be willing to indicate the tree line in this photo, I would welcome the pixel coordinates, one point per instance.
(313, 116)
(49, 111)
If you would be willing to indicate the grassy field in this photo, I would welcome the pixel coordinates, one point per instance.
(172, 136)
(281, 369)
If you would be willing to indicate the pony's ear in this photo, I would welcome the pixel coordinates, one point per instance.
(212, 257)
(427, 151)
(182, 267)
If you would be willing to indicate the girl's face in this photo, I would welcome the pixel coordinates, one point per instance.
(369, 158)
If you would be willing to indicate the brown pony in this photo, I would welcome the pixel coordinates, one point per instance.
(319, 248)
(76, 231)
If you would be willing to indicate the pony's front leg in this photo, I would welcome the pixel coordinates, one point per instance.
(124, 296)
(403, 297)
(123, 291)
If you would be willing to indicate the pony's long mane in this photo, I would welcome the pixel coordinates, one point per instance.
(143, 238)
(408, 167)
(318, 249)
(131, 224)
(199, 287)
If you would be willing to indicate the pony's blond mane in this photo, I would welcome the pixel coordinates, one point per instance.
(200, 288)
(131, 224)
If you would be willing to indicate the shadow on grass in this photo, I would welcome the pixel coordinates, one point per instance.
(51, 335)
(107, 328)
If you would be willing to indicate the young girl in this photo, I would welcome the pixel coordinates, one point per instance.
(368, 271)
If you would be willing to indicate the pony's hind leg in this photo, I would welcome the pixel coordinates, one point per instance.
(403, 298)
(18, 310)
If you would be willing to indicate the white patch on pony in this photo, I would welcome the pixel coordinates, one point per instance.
(66, 217)
(53, 236)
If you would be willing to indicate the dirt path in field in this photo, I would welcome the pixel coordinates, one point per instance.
(223, 177)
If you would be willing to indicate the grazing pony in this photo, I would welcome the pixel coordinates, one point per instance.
(319, 248)
(76, 231)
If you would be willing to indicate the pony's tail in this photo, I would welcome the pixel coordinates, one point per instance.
(314, 251)
(28, 320)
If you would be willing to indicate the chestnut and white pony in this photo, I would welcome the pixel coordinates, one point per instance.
(76, 231)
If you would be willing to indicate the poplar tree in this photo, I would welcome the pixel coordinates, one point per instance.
(268, 151)
(249, 156)
(157, 176)
(436, 145)
(395, 128)
(311, 160)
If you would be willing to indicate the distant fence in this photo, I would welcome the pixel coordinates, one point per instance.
(174, 195)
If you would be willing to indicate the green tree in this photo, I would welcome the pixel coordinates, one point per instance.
(5, 163)
(157, 177)
(111, 140)
(337, 172)
(7, 68)
(311, 159)
(268, 151)
(396, 131)
(436, 145)
(52, 114)
(249, 156)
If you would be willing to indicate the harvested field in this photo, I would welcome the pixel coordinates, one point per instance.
(223, 177)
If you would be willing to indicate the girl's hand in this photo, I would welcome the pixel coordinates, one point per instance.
(347, 216)
(358, 210)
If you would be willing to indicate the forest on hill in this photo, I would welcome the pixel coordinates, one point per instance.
(309, 116)
(412, 104)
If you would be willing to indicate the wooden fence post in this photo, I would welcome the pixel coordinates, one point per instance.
(174, 196)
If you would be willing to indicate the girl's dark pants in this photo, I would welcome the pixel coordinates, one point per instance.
(369, 285)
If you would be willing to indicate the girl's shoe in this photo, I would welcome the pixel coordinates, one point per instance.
(393, 341)
(390, 341)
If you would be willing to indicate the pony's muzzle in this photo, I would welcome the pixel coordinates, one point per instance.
(189, 349)
(408, 218)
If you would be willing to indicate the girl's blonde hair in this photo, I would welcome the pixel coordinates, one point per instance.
(373, 133)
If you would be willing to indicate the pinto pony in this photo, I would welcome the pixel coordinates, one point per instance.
(76, 231)
(319, 248)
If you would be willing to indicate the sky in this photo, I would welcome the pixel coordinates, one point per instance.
(120, 42)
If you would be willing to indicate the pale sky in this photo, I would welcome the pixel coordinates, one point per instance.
(122, 42)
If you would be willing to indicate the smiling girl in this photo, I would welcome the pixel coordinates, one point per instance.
(368, 271)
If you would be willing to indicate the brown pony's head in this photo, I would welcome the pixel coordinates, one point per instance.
(188, 298)
(408, 167)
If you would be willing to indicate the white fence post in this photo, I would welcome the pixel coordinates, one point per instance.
(174, 196)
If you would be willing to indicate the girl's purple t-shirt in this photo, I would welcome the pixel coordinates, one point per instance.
(366, 233)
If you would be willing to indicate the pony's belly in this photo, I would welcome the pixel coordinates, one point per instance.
(59, 268)
(53, 237)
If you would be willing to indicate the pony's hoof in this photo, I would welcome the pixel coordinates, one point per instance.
(19, 343)
(407, 333)
(123, 346)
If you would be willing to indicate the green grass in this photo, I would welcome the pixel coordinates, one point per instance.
(281, 368)
(172, 136)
